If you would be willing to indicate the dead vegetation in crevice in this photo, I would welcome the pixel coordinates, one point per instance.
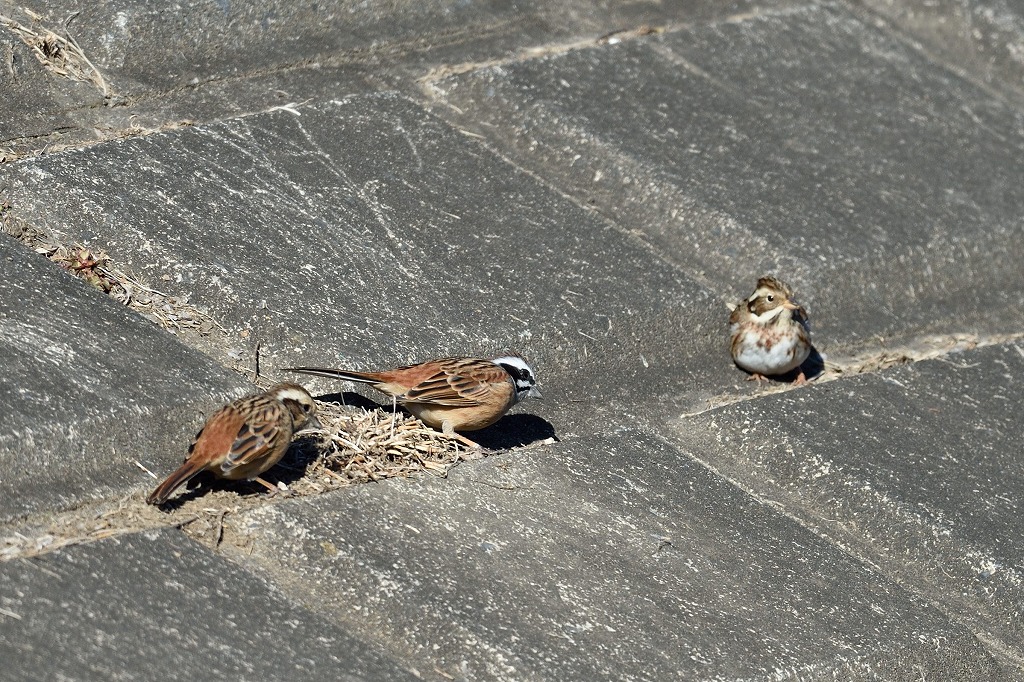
(360, 446)
(353, 446)
(61, 55)
(96, 268)
(66, 138)
(933, 347)
(873, 361)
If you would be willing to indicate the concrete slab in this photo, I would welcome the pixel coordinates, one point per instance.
(164, 66)
(36, 105)
(918, 469)
(983, 39)
(158, 606)
(367, 232)
(801, 142)
(87, 389)
(605, 557)
(140, 48)
(144, 48)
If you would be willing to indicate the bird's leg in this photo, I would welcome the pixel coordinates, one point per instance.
(800, 379)
(268, 486)
(446, 429)
(394, 409)
(754, 376)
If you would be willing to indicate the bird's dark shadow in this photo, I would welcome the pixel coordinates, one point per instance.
(197, 486)
(814, 365)
(352, 399)
(514, 431)
(303, 451)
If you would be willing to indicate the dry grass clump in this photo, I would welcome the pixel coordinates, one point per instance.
(98, 269)
(60, 55)
(358, 446)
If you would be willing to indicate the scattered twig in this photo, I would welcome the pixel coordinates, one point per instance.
(141, 466)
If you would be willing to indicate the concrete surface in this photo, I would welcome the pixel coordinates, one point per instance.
(365, 232)
(158, 606)
(163, 66)
(607, 557)
(980, 39)
(885, 190)
(929, 487)
(88, 388)
(589, 183)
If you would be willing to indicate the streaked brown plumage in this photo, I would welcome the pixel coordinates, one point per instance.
(769, 332)
(244, 438)
(450, 394)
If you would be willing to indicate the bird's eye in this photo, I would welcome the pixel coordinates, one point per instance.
(770, 298)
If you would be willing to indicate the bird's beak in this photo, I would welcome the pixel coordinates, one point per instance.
(534, 393)
(789, 305)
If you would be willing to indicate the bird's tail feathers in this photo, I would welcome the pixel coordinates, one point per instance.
(173, 482)
(346, 374)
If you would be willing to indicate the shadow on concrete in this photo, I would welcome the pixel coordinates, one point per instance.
(814, 365)
(514, 431)
(291, 468)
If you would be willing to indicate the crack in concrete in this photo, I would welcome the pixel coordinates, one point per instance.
(356, 56)
(351, 448)
(96, 268)
(204, 517)
(444, 71)
(937, 347)
(94, 136)
(641, 31)
(361, 56)
(201, 519)
(847, 542)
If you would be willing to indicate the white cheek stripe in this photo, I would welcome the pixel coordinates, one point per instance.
(292, 394)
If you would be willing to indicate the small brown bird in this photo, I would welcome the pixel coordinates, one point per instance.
(450, 394)
(244, 438)
(770, 335)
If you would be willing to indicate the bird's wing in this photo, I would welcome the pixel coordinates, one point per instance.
(458, 383)
(260, 427)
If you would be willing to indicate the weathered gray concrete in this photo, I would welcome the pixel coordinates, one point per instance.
(485, 177)
(163, 66)
(916, 468)
(364, 231)
(607, 557)
(984, 39)
(143, 50)
(803, 142)
(158, 606)
(87, 389)
(33, 108)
